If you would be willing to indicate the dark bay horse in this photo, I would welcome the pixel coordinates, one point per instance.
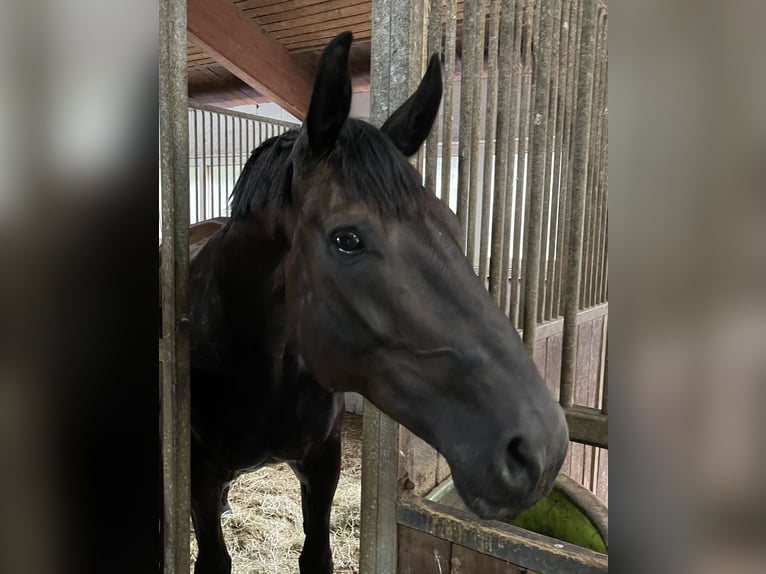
(338, 271)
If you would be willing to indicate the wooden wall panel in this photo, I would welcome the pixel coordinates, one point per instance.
(419, 462)
(602, 484)
(553, 363)
(467, 561)
(539, 356)
(421, 553)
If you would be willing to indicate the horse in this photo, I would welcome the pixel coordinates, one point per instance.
(338, 271)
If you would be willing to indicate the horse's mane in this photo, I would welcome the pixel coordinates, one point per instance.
(266, 175)
(364, 161)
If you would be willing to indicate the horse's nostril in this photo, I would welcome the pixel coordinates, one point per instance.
(514, 455)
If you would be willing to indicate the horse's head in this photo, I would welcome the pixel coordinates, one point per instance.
(383, 301)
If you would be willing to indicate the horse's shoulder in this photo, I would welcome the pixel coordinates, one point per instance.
(201, 233)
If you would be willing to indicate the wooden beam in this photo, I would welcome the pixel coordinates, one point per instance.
(241, 45)
(516, 546)
(588, 426)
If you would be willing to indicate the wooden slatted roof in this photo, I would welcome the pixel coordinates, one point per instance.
(303, 27)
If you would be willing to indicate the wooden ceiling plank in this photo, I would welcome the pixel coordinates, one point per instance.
(277, 7)
(338, 25)
(286, 6)
(315, 13)
(242, 46)
(361, 33)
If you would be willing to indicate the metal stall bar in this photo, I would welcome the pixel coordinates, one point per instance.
(174, 348)
(549, 196)
(219, 147)
(590, 190)
(498, 269)
(598, 207)
(566, 166)
(477, 53)
(489, 137)
(449, 89)
(203, 195)
(581, 149)
(534, 32)
(197, 210)
(554, 263)
(511, 190)
(227, 139)
(595, 166)
(241, 138)
(537, 182)
(434, 45)
(599, 174)
(468, 73)
(520, 169)
(605, 228)
(397, 30)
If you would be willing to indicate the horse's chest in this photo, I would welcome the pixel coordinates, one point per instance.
(278, 424)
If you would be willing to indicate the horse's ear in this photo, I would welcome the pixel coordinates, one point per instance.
(409, 126)
(331, 98)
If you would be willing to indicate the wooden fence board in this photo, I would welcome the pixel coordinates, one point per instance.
(602, 484)
(539, 356)
(553, 363)
(467, 561)
(421, 553)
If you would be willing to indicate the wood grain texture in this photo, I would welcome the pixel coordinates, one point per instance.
(467, 561)
(241, 45)
(421, 553)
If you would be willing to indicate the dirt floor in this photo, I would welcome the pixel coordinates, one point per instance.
(265, 534)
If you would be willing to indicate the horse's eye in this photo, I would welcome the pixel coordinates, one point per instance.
(347, 242)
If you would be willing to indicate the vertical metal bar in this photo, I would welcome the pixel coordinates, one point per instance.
(559, 197)
(469, 73)
(518, 266)
(249, 137)
(524, 269)
(581, 150)
(489, 137)
(569, 121)
(174, 168)
(230, 169)
(196, 167)
(604, 183)
(434, 45)
(499, 231)
(240, 163)
(203, 204)
(590, 189)
(226, 160)
(219, 212)
(549, 198)
(448, 104)
(537, 182)
(598, 167)
(592, 227)
(476, 120)
(592, 216)
(511, 193)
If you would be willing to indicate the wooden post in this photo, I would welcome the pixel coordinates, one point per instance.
(174, 350)
(396, 66)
